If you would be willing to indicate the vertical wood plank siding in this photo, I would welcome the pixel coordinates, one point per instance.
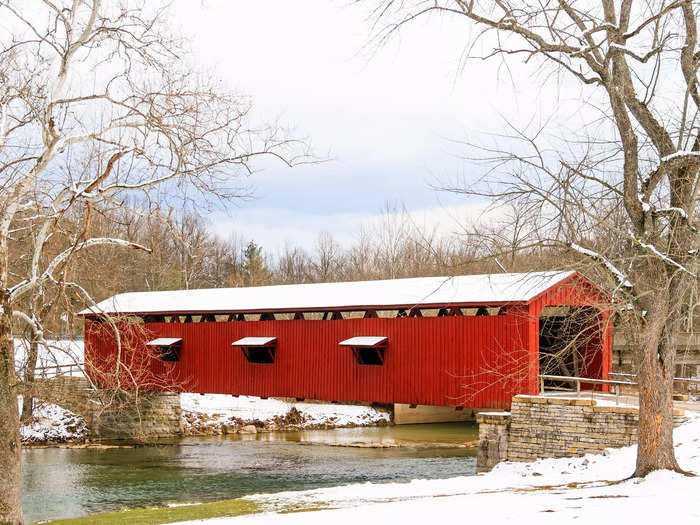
(476, 361)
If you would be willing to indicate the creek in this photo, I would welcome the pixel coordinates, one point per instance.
(72, 482)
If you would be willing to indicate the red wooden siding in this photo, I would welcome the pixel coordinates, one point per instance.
(475, 361)
(429, 361)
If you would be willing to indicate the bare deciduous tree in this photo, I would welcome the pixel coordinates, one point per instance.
(98, 105)
(635, 181)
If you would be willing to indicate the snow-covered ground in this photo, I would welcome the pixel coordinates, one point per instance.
(55, 352)
(585, 490)
(214, 410)
(53, 424)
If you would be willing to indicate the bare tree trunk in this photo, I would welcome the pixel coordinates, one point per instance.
(10, 443)
(29, 373)
(655, 376)
(655, 435)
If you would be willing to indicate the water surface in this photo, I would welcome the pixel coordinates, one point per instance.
(76, 482)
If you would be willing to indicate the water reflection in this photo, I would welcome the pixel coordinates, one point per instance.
(77, 482)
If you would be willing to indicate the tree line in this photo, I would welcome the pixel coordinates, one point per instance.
(184, 253)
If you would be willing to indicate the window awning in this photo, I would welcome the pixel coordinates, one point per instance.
(255, 341)
(369, 341)
(165, 341)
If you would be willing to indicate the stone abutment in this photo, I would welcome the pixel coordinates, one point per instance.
(549, 427)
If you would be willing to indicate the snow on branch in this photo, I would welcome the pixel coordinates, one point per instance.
(619, 276)
(31, 322)
(653, 250)
(678, 154)
(671, 210)
(21, 288)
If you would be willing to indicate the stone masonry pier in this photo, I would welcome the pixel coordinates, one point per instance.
(113, 415)
(552, 427)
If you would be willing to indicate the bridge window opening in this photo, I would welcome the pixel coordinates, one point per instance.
(267, 316)
(415, 312)
(369, 356)
(168, 347)
(367, 350)
(370, 314)
(571, 345)
(153, 318)
(387, 314)
(257, 349)
(447, 311)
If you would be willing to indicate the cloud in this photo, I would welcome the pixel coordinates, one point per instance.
(273, 227)
(387, 117)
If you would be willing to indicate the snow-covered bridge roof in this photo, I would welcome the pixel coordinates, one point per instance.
(463, 289)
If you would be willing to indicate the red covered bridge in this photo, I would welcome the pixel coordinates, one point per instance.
(472, 340)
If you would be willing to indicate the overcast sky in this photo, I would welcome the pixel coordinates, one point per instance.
(387, 118)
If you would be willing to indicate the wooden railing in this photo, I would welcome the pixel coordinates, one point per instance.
(51, 372)
(615, 385)
(680, 384)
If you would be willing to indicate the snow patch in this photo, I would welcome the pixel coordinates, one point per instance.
(53, 424)
(588, 489)
(62, 352)
(222, 409)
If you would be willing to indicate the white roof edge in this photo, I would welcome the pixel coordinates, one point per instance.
(254, 341)
(364, 340)
(417, 291)
(164, 341)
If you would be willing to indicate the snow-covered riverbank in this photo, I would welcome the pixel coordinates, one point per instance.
(223, 414)
(213, 414)
(591, 489)
(53, 424)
